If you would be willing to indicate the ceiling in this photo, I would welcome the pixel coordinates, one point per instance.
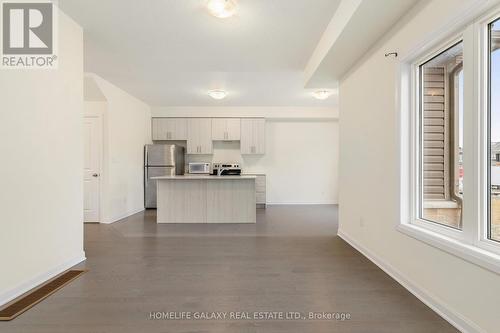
(171, 52)
(356, 26)
(271, 53)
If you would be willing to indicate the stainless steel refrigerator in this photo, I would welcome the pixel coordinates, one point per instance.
(160, 160)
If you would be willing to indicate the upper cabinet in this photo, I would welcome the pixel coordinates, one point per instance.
(199, 139)
(253, 136)
(226, 129)
(169, 129)
(199, 133)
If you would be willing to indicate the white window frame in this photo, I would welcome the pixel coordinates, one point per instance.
(484, 154)
(416, 144)
(471, 243)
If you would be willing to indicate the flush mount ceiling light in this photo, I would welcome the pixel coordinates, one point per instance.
(217, 94)
(221, 8)
(322, 94)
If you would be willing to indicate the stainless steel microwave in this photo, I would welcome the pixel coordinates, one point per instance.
(199, 167)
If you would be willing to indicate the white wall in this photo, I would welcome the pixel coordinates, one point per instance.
(126, 129)
(369, 180)
(41, 189)
(301, 157)
(280, 112)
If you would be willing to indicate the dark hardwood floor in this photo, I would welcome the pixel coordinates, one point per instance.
(291, 260)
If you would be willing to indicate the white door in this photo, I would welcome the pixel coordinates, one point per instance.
(91, 168)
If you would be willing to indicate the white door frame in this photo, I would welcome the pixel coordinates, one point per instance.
(98, 115)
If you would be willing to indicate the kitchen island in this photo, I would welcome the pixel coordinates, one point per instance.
(206, 199)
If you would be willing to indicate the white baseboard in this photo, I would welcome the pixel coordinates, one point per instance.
(9, 295)
(114, 219)
(454, 318)
(302, 203)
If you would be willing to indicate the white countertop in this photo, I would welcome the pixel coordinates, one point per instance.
(203, 177)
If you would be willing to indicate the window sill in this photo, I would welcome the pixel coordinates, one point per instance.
(470, 253)
(445, 204)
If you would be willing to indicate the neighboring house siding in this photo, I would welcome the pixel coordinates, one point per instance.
(435, 134)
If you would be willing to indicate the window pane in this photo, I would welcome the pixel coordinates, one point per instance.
(441, 138)
(494, 137)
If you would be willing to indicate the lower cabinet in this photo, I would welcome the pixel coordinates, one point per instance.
(215, 200)
(230, 201)
(260, 190)
(182, 201)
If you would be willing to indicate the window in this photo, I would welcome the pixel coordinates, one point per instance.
(494, 130)
(441, 137)
(450, 151)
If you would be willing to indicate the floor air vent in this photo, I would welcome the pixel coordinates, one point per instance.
(37, 295)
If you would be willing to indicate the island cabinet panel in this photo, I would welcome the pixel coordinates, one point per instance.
(199, 136)
(230, 201)
(169, 129)
(182, 202)
(206, 199)
(226, 129)
(253, 136)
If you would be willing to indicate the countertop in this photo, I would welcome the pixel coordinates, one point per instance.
(203, 177)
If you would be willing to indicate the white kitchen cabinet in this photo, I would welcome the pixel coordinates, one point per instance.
(169, 129)
(199, 140)
(206, 199)
(260, 190)
(253, 136)
(226, 129)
